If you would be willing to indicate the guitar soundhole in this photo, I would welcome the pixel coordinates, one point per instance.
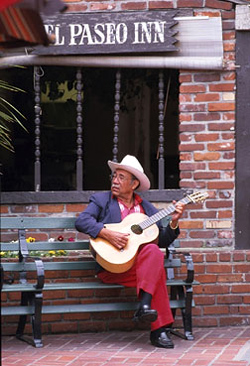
(136, 229)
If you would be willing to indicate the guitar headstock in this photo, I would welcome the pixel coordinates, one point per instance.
(198, 196)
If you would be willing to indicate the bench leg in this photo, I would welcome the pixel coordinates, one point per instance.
(22, 318)
(187, 315)
(37, 320)
(178, 292)
(34, 299)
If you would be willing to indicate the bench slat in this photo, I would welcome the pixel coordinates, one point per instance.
(38, 222)
(73, 265)
(83, 308)
(29, 287)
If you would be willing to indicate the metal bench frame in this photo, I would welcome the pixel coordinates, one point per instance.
(181, 291)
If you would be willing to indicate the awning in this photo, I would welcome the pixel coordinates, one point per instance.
(21, 24)
(200, 46)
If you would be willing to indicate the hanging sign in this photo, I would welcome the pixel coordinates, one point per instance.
(104, 33)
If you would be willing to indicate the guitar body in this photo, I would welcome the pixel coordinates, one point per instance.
(119, 261)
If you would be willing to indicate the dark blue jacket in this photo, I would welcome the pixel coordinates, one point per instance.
(104, 209)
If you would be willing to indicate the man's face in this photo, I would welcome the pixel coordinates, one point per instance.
(122, 183)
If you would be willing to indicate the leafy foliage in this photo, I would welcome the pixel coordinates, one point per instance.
(8, 114)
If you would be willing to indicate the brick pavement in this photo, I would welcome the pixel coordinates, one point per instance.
(227, 346)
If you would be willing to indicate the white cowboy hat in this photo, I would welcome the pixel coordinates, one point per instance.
(132, 165)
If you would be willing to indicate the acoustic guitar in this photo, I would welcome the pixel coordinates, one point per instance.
(142, 230)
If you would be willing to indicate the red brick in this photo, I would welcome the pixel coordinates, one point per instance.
(242, 268)
(216, 289)
(244, 309)
(219, 268)
(64, 327)
(206, 137)
(206, 117)
(203, 214)
(220, 185)
(207, 156)
(225, 234)
(229, 299)
(221, 87)
(191, 147)
(197, 88)
(202, 234)
(185, 117)
(211, 257)
(238, 256)
(229, 278)
(186, 156)
(4, 209)
(232, 320)
(79, 8)
(102, 7)
(161, 4)
(224, 146)
(208, 310)
(243, 288)
(221, 165)
(189, 3)
(185, 98)
(191, 128)
(230, 75)
(207, 97)
(206, 278)
(205, 322)
(230, 35)
(136, 5)
(246, 299)
(207, 175)
(204, 300)
(192, 166)
(185, 78)
(218, 4)
(226, 214)
(228, 14)
(75, 207)
(218, 204)
(51, 208)
(221, 107)
(192, 107)
(220, 126)
(205, 13)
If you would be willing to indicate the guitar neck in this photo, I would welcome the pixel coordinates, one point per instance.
(161, 214)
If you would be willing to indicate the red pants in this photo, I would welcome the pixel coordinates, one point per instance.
(148, 274)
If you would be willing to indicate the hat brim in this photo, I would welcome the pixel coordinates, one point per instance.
(143, 179)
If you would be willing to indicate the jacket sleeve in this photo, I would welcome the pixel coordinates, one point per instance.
(89, 221)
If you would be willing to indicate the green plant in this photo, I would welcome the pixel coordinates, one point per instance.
(8, 114)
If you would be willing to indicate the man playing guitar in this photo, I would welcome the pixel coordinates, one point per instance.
(147, 271)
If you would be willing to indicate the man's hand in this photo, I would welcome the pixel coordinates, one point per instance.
(118, 240)
(179, 209)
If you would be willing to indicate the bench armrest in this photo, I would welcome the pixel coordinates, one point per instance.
(171, 250)
(24, 255)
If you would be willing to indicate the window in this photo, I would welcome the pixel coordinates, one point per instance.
(138, 117)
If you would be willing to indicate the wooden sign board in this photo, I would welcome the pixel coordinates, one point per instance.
(105, 33)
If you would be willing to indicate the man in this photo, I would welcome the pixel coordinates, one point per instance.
(147, 273)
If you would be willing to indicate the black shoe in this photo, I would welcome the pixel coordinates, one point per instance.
(161, 340)
(145, 314)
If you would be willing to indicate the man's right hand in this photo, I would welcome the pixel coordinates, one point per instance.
(117, 239)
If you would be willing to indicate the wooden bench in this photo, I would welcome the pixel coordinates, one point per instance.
(15, 274)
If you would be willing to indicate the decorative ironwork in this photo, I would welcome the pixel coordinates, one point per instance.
(161, 163)
(38, 112)
(79, 102)
(116, 114)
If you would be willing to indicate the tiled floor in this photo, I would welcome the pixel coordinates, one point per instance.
(227, 346)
